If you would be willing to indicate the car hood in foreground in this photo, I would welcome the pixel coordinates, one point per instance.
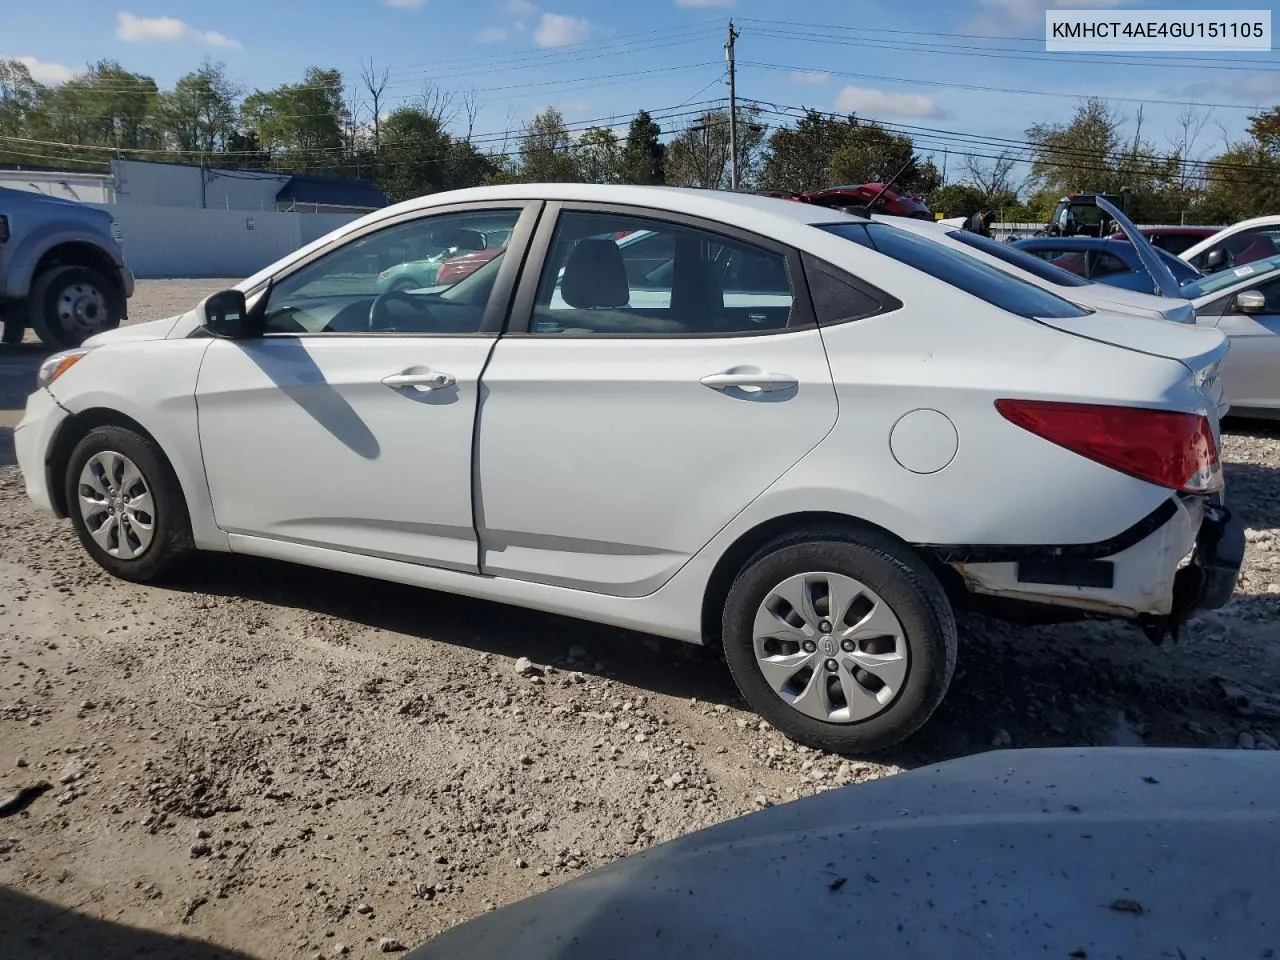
(1097, 852)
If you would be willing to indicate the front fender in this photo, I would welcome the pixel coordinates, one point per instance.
(153, 384)
(34, 245)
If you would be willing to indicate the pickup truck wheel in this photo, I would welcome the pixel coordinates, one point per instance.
(843, 641)
(70, 304)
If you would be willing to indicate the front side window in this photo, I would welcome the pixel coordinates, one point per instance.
(963, 272)
(429, 275)
(620, 274)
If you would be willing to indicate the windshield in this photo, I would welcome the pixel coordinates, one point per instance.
(1228, 278)
(1019, 258)
(957, 269)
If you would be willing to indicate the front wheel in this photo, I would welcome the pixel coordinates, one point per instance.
(126, 505)
(70, 304)
(843, 641)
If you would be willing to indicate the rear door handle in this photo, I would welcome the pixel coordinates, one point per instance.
(753, 380)
(428, 380)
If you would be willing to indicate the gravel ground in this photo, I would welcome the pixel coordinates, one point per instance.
(268, 761)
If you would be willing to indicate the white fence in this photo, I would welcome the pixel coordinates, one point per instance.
(182, 242)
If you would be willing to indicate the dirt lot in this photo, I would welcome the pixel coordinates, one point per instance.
(264, 761)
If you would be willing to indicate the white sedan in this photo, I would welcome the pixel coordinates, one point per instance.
(794, 433)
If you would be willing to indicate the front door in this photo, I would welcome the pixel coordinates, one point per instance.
(1251, 368)
(349, 423)
(642, 405)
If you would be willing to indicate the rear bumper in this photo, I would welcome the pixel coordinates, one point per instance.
(1209, 580)
(1185, 556)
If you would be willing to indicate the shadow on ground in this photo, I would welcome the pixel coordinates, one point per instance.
(1056, 686)
(32, 929)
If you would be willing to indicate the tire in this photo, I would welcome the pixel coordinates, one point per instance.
(71, 304)
(13, 317)
(402, 284)
(912, 651)
(159, 538)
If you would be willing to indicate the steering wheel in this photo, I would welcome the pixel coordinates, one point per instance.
(380, 318)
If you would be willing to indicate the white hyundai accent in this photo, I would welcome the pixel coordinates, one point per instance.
(791, 432)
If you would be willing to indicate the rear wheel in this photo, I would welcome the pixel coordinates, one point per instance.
(70, 304)
(844, 642)
(126, 504)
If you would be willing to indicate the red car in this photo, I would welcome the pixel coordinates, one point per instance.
(891, 202)
(465, 264)
(1173, 239)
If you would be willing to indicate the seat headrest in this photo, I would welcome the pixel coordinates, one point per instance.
(595, 276)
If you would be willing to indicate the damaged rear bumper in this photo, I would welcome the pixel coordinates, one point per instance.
(1185, 556)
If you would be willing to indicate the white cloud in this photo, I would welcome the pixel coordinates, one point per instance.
(405, 4)
(50, 74)
(704, 3)
(559, 30)
(1256, 89)
(519, 8)
(1000, 17)
(135, 29)
(576, 105)
(492, 35)
(809, 78)
(885, 103)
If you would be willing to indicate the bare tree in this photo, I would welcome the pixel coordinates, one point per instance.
(374, 84)
(470, 107)
(1189, 178)
(993, 178)
(439, 104)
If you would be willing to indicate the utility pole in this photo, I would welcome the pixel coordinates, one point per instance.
(733, 111)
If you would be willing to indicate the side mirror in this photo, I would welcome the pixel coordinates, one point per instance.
(1216, 259)
(1250, 301)
(226, 315)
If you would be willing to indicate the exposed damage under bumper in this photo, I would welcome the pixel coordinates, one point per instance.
(1184, 556)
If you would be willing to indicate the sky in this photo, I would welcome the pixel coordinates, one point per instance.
(946, 71)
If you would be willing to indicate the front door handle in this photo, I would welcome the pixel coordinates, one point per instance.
(428, 380)
(752, 380)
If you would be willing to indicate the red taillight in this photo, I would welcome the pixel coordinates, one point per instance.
(1174, 450)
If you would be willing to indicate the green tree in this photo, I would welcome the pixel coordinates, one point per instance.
(798, 158)
(599, 156)
(699, 155)
(871, 154)
(301, 124)
(414, 154)
(643, 156)
(546, 150)
(107, 106)
(200, 113)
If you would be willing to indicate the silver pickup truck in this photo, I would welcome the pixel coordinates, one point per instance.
(62, 269)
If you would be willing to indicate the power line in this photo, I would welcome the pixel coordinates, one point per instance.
(974, 86)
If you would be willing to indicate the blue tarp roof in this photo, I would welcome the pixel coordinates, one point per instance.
(331, 191)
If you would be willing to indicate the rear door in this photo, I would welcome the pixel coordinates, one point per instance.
(1251, 370)
(638, 403)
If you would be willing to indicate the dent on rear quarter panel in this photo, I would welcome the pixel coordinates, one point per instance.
(153, 383)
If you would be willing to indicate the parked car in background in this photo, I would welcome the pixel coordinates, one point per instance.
(1069, 286)
(749, 428)
(1244, 303)
(1236, 245)
(1173, 240)
(62, 269)
(1105, 260)
(856, 197)
(423, 269)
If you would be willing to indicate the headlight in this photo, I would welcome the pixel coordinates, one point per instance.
(58, 364)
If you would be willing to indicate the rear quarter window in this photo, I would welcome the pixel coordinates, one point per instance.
(960, 270)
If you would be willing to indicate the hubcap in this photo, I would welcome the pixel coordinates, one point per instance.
(82, 305)
(830, 647)
(116, 504)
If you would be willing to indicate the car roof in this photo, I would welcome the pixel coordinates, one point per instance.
(713, 204)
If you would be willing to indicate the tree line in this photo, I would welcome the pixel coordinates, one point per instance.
(326, 124)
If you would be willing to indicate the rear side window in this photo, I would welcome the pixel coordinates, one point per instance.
(963, 272)
(839, 297)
